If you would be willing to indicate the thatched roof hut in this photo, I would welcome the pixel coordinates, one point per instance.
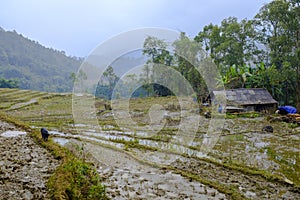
(254, 99)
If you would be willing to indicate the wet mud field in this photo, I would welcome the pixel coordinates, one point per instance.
(24, 166)
(243, 162)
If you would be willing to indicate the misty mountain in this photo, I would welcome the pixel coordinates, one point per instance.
(34, 66)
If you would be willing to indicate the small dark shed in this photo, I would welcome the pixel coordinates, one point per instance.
(255, 99)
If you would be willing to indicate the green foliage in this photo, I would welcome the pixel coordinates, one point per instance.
(156, 49)
(83, 181)
(12, 83)
(154, 70)
(231, 43)
(110, 77)
(280, 83)
(234, 46)
(243, 115)
(295, 125)
(162, 65)
(75, 179)
(271, 20)
(107, 83)
(269, 43)
(278, 27)
(187, 54)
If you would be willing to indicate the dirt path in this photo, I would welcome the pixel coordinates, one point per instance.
(24, 166)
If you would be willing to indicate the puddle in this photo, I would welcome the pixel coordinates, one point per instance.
(108, 127)
(261, 144)
(295, 137)
(57, 133)
(258, 136)
(113, 132)
(118, 145)
(140, 134)
(61, 141)
(113, 135)
(12, 133)
(173, 148)
(80, 125)
(117, 135)
(108, 136)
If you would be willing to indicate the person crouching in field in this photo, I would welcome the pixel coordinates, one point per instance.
(45, 134)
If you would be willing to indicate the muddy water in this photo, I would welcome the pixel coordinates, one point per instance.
(252, 149)
(12, 133)
(112, 138)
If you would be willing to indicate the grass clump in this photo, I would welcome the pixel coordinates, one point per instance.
(76, 179)
(242, 115)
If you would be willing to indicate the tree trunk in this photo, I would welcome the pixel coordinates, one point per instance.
(286, 93)
(298, 71)
(298, 89)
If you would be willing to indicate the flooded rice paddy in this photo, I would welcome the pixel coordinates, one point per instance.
(241, 147)
(243, 163)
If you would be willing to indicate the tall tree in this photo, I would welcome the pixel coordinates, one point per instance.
(156, 49)
(159, 57)
(187, 57)
(279, 24)
(271, 21)
(295, 24)
(107, 83)
(210, 38)
(110, 77)
(231, 43)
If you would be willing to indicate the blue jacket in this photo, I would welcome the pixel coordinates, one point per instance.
(288, 109)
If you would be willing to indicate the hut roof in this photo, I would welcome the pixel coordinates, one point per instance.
(248, 96)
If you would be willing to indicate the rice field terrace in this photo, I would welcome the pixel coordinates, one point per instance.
(151, 157)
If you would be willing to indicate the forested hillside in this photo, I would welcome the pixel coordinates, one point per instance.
(33, 66)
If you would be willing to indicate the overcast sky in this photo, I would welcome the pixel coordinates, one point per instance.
(78, 26)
